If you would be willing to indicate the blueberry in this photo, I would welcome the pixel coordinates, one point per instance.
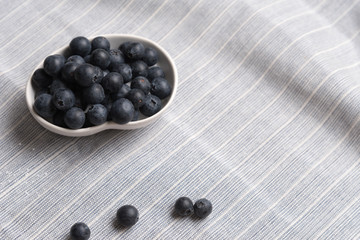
(40, 79)
(93, 94)
(55, 85)
(141, 83)
(40, 91)
(152, 105)
(150, 56)
(116, 56)
(184, 206)
(101, 58)
(136, 116)
(87, 58)
(85, 75)
(97, 114)
(123, 69)
(134, 50)
(137, 97)
(74, 118)
(75, 59)
(63, 99)
(139, 68)
(105, 72)
(53, 64)
(155, 72)
(99, 74)
(100, 43)
(122, 93)
(160, 87)
(112, 82)
(44, 106)
(127, 215)
(124, 46)
(107, 102)
(80, 46)
(58, 119)
(80, 231)
(202, 208)
(122, 111)
(68, 71)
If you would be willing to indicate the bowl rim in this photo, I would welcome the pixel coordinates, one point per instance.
(109, 124)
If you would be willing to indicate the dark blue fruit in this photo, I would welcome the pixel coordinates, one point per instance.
(124, 46)
(123, 69)
(101, 58)
(99, 74)
(53, 64)
(80, 46)
(74, 118)
(75, 59)
(116, 56)
(97, 114)
(150, 56)
(160, 87)
(87, 58)
(80, 231)
(127, 215)
(136, 116)
(155, 72)
(141, 83)
(44, 106)
(137, 97)
(55, 85)
(139, 68)
(202, 208)
(122, 111)
(68, 72)
(86, 75)
(63, 99)
(93, 94)
(112, 82)
(134, 50)
(184, 206)
(40, 91)
(58, 119)
(100, 43)
(151, 106)
(40, 79)
(122, 93)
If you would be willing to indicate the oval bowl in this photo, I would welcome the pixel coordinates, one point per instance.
(165, 62)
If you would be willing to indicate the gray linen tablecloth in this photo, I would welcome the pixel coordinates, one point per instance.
(265, 123)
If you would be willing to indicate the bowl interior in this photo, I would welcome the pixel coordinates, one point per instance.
(165, 62)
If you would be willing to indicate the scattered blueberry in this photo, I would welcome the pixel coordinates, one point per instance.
(93, 94)
(75, 59)
(123, 69)
(150, 56)
(112, 82)
(184, 206)
(122, 93)
(97, 114)
(100, 43)
(80, 231)
(44, 106)
(160, 87)
(139, 68)
(101, 58)
(86, 75)
(53, 64)
(40, 79)
(151, 106)
(74, 118)
(141, 83)
(134, 50)
(68, 72)
(137, 97)
(80, 46)
(202, 208)
(127, 215)
(63, 99)
(155, 72)
(122, 111)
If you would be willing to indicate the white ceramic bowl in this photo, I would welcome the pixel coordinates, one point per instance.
(165, 62)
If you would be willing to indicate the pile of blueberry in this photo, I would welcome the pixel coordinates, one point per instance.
(96, 83)
(128, 215)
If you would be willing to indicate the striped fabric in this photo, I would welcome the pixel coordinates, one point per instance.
(265, 123)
